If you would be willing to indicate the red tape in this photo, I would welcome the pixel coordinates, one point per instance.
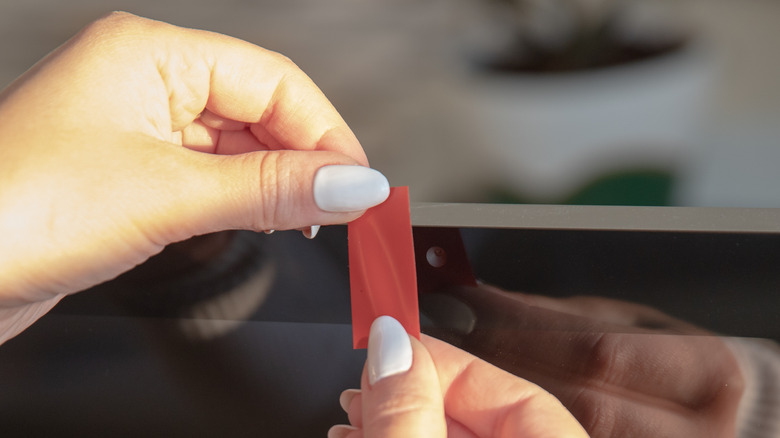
(382, 272)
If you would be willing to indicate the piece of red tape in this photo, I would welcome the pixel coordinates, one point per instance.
(382, 272)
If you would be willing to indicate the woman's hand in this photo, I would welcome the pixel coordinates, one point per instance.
(622, 369)
(136, 134)
(431, 389)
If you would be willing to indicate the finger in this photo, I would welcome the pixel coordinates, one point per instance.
(344, 431)
(566, 353)
(262, 190)
(182, 72)
(493, 403)
(239, 142)
(457, 430)
(613, 414)
(217, 122)
(257, 86)
(615, 312)
(400, 396)
(199, 136)
(352, 403)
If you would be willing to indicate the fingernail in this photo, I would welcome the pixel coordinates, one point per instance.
(448, 312)
(311, 233)
(340, 431)
(346, 398)
(269, 231)
(340, 188)
(389, 349)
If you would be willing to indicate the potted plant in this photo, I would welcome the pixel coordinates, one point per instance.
(586, 101)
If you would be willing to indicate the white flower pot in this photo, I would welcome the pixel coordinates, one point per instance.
(548, 135)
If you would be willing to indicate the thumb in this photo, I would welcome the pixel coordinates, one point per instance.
(400, 393)
(273, 190)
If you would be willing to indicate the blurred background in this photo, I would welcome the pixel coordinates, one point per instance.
(559, 101)
(660, 102)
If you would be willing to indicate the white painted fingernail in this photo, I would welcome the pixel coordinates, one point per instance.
(311, 233)
(349, 188)
(389, 349)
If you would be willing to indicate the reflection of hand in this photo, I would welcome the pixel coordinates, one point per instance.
(622, 369)
(93, 175)
(431, 389)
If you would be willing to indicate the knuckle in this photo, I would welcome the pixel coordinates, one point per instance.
(289, 70)
(115, 33)
(123, 30)
(117, 17)
(284, 61)
(400, 405)
(726, 383)
(115, 23)
(187, 83)
(603, 360)
(273, 191)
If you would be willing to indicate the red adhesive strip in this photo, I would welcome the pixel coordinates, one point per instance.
(382, 273)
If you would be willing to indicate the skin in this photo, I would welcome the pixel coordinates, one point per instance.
(450, 393)
(135, 134)
(622, 369)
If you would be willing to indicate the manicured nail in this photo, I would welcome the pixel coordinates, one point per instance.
(340, 431)
(311, 233)
(346, 398)
(389, 349)
(340, 188)
(269, 231)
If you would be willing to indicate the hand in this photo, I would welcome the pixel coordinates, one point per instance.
(136, 134)
(431, 389)
(622, 369)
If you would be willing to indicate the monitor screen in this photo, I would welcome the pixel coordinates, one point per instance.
(240, 333)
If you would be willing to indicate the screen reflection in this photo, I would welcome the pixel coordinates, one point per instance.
(238, 333)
